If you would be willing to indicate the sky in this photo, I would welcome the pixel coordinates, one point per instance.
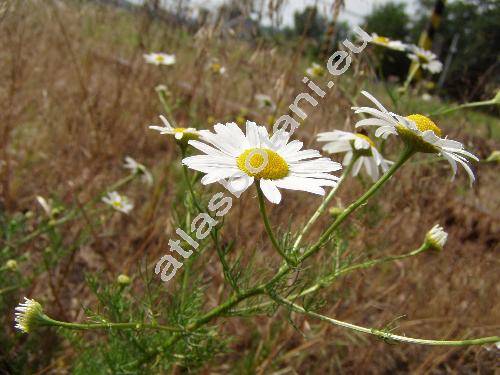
(353, 12)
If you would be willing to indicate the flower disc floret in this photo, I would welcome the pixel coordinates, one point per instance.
(423, 124)
(263, 163)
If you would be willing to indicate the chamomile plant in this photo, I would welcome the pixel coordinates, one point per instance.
(158, 328)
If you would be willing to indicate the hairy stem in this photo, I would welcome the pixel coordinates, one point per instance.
(387, 335)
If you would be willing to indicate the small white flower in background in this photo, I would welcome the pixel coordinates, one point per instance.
(388, 43)
(161, 87)
(418, 131)
(46, 206)
(118, 202)
(436, 237)
(159, 58)
(236, 160)
(180, 134)
(426, 97)
(27, 315)
(355, 143)
(138, 168)
(216, 68)
(265, 101)
(315, 70)
(427, 59)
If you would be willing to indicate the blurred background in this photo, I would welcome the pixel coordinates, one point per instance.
(76, 98)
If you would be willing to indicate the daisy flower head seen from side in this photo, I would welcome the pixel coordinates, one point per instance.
(426, 59)
(355, 145)
(137, 168)
(419, 133)
(181, 135)
(237, 160)
(387, 42)
(436, 237)
(28, 314)
(265, 101)
(118, 202)
(159, 58)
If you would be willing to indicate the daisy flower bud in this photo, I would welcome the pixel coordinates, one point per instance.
(11, 265)
(123, 280)
(436, 237)
(28, 315)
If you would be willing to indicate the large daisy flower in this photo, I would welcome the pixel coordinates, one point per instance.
(419, 131)
(237, 159)
(180, 134)
(355, 144)
(426, 59)
(159, 58)
(387, 43)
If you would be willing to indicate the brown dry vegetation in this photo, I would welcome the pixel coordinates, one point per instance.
(76, 98)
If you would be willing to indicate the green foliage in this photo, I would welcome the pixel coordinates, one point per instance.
(390, 20)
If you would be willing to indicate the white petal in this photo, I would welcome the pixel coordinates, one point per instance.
(270, 191)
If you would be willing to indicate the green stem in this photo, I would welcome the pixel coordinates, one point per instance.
(465, 105)
(414, 69)
(405, 155)
(262, 208)
(389, 336)
(213, 235)
(88, 326)
(324, 204)
(330, 278)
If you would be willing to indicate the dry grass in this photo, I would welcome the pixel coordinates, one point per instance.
(76, 98)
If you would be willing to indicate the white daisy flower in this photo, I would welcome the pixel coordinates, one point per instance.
(436, 237)
(216, 68)
(387, 42)
(118, 202)
(315, 70)
(27, 315)
(265, 101)
(426, 59)
(418, 131)
(159, 58)
(180, 134)
(355, 143)
(137, 168)
(236, 160)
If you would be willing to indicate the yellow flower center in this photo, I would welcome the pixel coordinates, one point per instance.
(366, 151)
(381, 40)
(318, 70)
(187, 135)
(160, 58)
(216, 68)
(263, 163)
(366, 138)
(423, 123)
(117, 204)
(423, 59)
